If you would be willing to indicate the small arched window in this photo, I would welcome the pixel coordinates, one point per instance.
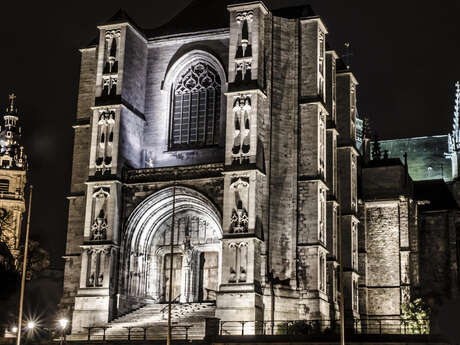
(196, 108)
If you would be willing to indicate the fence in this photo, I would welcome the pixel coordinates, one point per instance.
(99, 333)
(310, 327)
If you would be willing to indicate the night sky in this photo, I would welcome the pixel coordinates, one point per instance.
(405, 57)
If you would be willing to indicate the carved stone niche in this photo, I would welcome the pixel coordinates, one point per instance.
(239, 194)
(239, 263)
(98, 258)
(99, 225)
(243, 57)
(243, 16)
(112, 42)
(242, 128)
(104, 148)
(244, 19)
(243, 69)
(109, 86)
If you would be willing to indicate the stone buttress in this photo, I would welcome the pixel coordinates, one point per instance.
(244, 215)
(117, 114)
(312, 172)
(347, 161)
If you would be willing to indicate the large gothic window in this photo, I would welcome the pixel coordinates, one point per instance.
(196, 108)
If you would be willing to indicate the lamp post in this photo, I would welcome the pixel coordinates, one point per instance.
(171, 248)
(63, 325)
(24, 271)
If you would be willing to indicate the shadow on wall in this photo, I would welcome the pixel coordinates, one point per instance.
(447, 319)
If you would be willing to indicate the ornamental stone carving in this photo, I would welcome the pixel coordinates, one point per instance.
(244, 16)
(243, 68)
(97, 257)
(109, 85)
(104, 148)
(199, 77)
(238, 268)
(240, 193)
(243, 57)
(112, 42)
(99, 225)
(242, 127)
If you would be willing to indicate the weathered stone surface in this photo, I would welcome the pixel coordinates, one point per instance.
(268, 200)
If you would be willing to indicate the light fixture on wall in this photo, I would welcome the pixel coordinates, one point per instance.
(149, 159)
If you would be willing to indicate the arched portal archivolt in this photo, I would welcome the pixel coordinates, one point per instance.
(146, 254)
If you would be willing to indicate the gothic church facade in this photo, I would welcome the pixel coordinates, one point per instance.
(237, 136)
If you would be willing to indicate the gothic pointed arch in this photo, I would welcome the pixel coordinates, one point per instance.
(195, 84)
(147, 235)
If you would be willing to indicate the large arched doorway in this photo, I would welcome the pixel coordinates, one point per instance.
(195, 259)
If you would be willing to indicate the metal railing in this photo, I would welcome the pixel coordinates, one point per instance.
(311, 327)
(174, 304)
(103, 333)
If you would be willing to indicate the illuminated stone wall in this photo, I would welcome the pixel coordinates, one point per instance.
(278, 187)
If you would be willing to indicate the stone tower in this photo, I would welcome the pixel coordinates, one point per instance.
(13, 167)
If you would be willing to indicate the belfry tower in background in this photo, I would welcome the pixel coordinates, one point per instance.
(13, 167)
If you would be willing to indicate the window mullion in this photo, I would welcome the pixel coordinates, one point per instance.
(205, 129)
(197, 122)
(189, 117)
(181, 118)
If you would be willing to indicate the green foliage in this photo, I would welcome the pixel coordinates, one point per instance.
(6, 218)
(37, 261)
(416, 317)
(299, 327)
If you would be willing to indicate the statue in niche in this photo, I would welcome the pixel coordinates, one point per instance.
(99, 227)
(100, 279)
(187, 246)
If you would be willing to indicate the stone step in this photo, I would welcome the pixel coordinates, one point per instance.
(151, 316)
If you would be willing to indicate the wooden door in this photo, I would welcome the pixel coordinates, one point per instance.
(176, 276)
(210, 275)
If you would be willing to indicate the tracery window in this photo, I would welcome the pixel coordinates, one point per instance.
(196, 108)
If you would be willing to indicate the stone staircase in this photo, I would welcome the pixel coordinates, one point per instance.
(188, 322)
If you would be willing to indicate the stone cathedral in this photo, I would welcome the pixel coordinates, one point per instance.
(237, 137)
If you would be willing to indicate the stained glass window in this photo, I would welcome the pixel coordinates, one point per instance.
(196, 108)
